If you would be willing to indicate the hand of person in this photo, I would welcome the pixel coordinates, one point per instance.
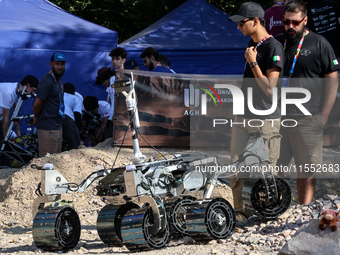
(30, 91)
(250, 54)
(99, 136)
(33, 121)
(324, 119)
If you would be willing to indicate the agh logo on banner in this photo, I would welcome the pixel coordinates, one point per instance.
(192, 98)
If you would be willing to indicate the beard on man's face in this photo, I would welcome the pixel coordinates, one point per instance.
(293, 36)
(58, 73)
(151, 66)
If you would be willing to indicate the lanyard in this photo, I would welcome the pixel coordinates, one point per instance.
(262, 41)
(60, 88)
(297, 52)
(279, 3)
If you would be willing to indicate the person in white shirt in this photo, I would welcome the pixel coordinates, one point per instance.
(72, 121)
(9, 94)
(74, 102)
(106, 76)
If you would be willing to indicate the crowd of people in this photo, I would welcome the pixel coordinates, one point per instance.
(296, 57)
(58, 108)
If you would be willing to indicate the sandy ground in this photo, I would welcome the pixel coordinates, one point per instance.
(17, 193)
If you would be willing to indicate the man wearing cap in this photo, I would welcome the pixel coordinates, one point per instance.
(152, 62)
(48, 107)
(264, 63)
(131, 64)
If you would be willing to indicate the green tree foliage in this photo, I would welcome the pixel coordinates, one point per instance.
(128, 17)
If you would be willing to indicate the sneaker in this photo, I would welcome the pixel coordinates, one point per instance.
(240, 217)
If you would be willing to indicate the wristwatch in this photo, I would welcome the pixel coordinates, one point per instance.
(252, 64)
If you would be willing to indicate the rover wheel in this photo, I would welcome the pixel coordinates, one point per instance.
(264, 205)
(220, 219)
(178, 214)
(56, 229)
(208, 220)
(109, 223)
(136, 231)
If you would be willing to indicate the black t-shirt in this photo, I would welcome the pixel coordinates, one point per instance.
(316, 58)
(269, 55)
(323, 20)
(48, 90)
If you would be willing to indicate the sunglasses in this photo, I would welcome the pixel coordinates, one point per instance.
(295, 23)
(144, 60)
(242, 22)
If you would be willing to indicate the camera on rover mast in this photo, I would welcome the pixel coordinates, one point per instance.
(123, 85)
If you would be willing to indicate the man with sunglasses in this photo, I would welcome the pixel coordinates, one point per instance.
(310, 63)
(264, 63)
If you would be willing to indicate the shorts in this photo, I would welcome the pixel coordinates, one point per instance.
(303, 142)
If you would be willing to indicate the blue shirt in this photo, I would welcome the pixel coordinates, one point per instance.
(161, 69)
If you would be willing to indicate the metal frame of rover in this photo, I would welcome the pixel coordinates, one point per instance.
(149, 201)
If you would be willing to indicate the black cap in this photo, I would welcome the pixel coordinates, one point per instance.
(248, 10)
(131, 64)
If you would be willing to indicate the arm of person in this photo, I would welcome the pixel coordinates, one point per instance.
(331, 90)
(5, 121)
(17, 124)
(77, 118)
(266, 82)
(100, 131)
(37, 106)
(77, 111)
(103, 125)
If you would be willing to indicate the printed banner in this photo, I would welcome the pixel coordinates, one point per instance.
(195, 110)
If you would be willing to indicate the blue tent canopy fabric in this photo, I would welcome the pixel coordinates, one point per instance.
(32, 30)
(196, 37)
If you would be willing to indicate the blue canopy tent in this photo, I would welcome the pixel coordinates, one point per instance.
(196, 37)
(32, 30)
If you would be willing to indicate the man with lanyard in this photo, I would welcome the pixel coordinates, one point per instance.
(48, 107)
(310, 63)
(151, 60)
(264, 63)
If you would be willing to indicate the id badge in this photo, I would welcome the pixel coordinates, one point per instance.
(61, 109)
(285, 82)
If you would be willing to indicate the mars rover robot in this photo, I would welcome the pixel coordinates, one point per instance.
(149, 200)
